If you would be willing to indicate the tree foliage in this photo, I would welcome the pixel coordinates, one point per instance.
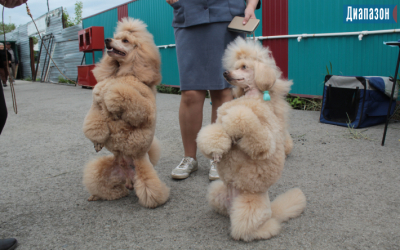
(7, 27)
(78, 15)
(78, 12)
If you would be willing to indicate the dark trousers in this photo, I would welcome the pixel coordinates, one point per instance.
(3, 75)
(3, 110)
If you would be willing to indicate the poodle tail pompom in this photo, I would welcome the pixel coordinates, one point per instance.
(288, 205)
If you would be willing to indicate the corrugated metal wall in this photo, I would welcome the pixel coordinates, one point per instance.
(65, 48)
(158, 16)
(66, 54)
(275, 22)
(122, 11)
(349, 56)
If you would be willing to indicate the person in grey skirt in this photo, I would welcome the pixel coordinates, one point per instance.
(201, 37)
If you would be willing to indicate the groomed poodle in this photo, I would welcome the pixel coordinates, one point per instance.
(250, 142)
(123, 119)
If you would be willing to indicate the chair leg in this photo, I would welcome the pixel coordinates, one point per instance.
(391, 100)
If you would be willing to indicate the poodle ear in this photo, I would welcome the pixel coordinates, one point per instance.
(107, 67)
(264, 76)
(146, 66)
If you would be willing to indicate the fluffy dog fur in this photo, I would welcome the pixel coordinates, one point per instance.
(123, 118)
(250, 142)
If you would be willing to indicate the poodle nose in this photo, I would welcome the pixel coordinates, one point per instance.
(108, 40)
(226, 73)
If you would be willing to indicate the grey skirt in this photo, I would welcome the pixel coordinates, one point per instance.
(199, 50)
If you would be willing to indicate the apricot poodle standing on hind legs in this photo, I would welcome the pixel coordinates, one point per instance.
(123, 119)
(250, 142)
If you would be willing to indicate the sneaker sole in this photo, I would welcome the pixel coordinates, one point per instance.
(180, 177)
(213, 178)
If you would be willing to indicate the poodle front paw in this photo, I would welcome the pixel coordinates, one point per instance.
(217, 157)
(93, 198)
(129, 184)
(98, 146)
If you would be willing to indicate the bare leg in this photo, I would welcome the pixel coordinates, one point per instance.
(219, 97)
(191, 119)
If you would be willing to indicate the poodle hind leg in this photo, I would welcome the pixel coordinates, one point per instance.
(217, 197)
(288, 205)
(104, 179)
(154, 151)
(288, 143)
(251, 218)
(150, 190)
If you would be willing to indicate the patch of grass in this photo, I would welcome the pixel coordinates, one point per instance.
(28, 78)
(168, 90)
(301, 103)
(354, 133)
(396, 114)
(63, 80)
(173, 90)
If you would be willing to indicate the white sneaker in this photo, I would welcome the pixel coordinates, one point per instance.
(213, 174)
(187, 166)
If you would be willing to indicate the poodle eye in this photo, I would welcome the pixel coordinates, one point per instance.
(125, 41)
(244, 67)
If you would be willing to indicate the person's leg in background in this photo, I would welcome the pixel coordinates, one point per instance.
(190, 121)
(219, 97)
(3, 110)
(11, 243)
(12, 72)
(4, 75)
(3, 107)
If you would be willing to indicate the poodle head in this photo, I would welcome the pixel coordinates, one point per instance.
(132, 51)
(249, 64)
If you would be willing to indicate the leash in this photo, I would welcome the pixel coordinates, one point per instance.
(13, 96)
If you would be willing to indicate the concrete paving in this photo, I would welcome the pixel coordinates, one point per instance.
(352, 186)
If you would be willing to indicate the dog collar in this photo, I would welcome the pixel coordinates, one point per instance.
(266, 96)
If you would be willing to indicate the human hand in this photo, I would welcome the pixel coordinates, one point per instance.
(249, 11)
(171, 1)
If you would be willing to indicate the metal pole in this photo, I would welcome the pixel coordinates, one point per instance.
(48, 65)
(37, 63)
(45, 60)
(83, 58)
(391, 99)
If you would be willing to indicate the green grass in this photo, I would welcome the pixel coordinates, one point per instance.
(63, 80)
(300, 103)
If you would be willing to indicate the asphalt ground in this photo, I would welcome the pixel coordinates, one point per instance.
(352, 186)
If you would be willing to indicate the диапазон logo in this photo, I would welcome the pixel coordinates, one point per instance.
(376, 13)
